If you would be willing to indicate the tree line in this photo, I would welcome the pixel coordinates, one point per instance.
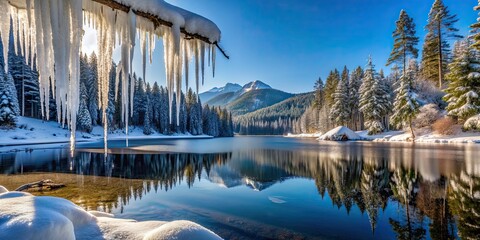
(20, 96)
(445, 79)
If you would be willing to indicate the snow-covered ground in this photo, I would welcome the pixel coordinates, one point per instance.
(425, 135)
(24, 216)
(35, 131)
(304, 135)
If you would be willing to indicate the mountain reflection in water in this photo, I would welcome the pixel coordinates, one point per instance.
(433, 191)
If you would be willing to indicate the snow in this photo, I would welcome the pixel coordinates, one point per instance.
(304, 135)
(472, 123)
(339, 134)
(424, 135)
(24, 216)
(31, 131)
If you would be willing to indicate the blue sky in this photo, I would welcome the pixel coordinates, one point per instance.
(289, 44)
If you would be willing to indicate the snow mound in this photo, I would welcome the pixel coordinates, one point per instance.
(24, 216)
(340, 133)
(472, 123)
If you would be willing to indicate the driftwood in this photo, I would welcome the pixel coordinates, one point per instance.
(40, 186)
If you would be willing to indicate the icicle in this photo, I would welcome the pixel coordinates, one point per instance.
(14, 21)
(143, 50)
(186, 59)
(197, 63)
(5, 30)
(151, 43)
(202, 60)
(214, 57)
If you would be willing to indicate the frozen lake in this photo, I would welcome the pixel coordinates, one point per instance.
(270, 187)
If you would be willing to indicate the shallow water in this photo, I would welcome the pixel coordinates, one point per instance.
(270, 187)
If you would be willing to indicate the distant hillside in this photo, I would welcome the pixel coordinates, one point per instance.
(275, 119)
(221, 100)
(256, 99)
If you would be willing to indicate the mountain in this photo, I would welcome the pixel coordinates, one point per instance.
(216, 91)
(240, 100)
(255, 85)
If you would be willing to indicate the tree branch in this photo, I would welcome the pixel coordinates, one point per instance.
(157, 21)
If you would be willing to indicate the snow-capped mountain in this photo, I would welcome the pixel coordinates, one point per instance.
(228, 88)
(255, 85)
(240, 100)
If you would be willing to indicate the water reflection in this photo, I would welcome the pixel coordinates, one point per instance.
(434, 193)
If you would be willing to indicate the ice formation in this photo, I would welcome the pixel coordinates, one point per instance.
(53, 30)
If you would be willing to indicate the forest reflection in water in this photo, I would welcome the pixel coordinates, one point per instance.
(437, 189)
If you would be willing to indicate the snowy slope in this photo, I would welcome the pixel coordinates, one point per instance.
(35, 131)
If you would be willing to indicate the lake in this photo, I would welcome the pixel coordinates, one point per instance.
(269, 187)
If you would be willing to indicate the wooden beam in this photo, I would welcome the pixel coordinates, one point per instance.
(157, 21)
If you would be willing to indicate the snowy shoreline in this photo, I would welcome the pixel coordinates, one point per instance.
(37, 132)
(404, 137)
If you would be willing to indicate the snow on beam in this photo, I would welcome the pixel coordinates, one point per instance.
(210, 36)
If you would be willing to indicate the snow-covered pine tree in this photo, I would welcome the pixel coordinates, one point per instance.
(164, 116)
(374, 99)
(147, 128)
(139, 103)
(331, 85)
(84, 121)
(182, 126)
(405, 41)
(436, 49)
(92, 88)
(340, 110)
(464, 82)
(173, 126)
(8, 114)
(406, 105)
(354, 98)
(476, 30)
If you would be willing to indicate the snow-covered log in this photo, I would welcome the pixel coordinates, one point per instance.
(53, 30)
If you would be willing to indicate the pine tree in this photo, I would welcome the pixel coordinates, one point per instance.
(476, 30)
(374, 99)
(319, 94)
(340, 111)
(8, 114)
(436, 50)
(92, 88)
(354, 97)
(404, 41)
(464, 87)
(84, 121)
(147, 128)
(406, 105)
(331, 85)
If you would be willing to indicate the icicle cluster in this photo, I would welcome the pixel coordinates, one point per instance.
(51, 32)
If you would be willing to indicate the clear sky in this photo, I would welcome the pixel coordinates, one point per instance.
(289, 44)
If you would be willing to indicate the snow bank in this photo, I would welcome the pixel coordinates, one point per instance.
(24, 216)
(424, 135)
(340, 133)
